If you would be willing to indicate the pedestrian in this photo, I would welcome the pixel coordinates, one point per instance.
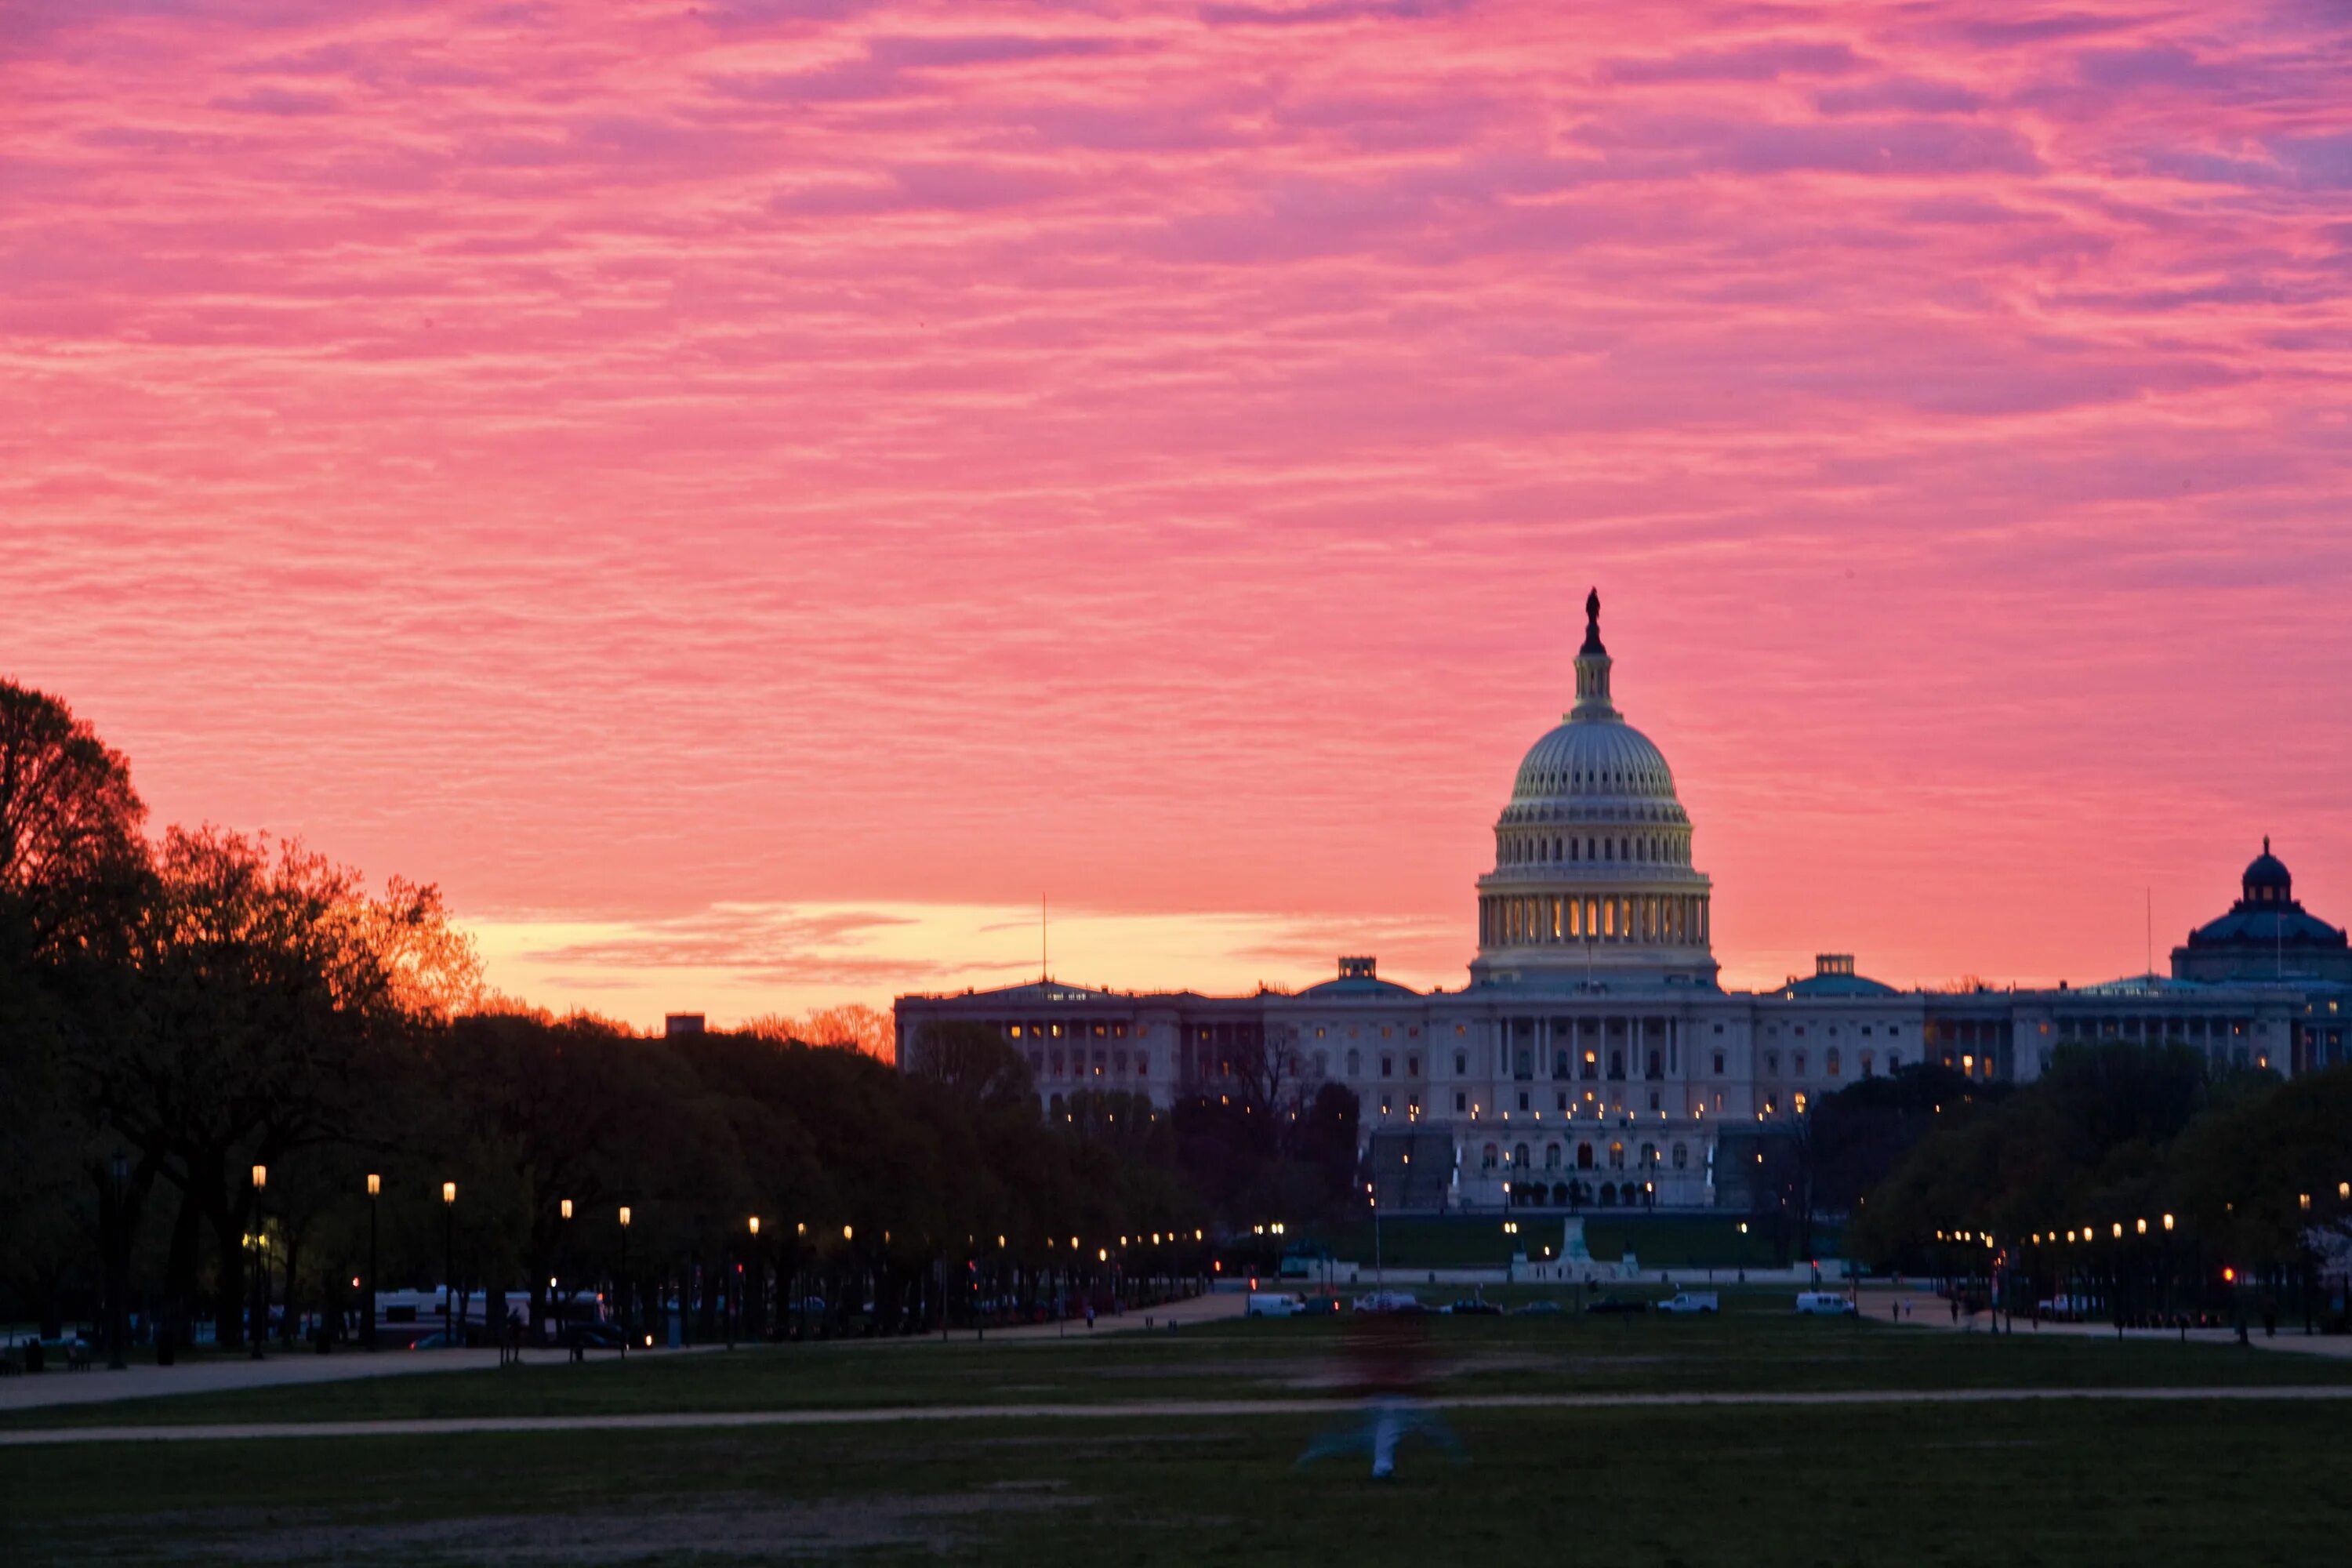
(1090, 1317)
(1955, 1310)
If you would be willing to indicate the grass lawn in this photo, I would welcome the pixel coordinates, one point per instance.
(1756, 1345)
(2055, 1484)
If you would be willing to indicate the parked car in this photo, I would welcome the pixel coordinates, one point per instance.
(1389, 1301)
(593, 1336)
(1473, 1307)
(1276, 1304)
(1321, 1306)
(1616, 1304)
(1825, 1304)
(1538, 1310)
(1691, 1301)
(2065, 1309)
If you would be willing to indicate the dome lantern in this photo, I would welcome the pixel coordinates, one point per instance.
(1592, 668)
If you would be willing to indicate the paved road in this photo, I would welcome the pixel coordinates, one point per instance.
(229, 1373)
(1122, 1410)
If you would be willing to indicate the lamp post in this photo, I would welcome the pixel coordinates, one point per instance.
(375, 1189)
(754, 1289)
(118, 1265)
(260, 1262)
(448, 1262)
(626, 1303)
(563, 1295)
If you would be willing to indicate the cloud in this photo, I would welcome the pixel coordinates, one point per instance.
(276, 100)
(749, 497)
(1768, 61)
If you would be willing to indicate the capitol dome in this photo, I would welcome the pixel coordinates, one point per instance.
(1593, 880)
(1594, 760)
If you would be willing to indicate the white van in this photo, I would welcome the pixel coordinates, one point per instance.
(1824, 1304)
(1275, 1304)
(1691, 1301)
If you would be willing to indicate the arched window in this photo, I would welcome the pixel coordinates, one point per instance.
(1607, 1196)
(1649, 1155)
(1492, 1153)
(1551, 1156)
(1834, 1061)
(1584, 1156)
(1616, 1156)
(1413, 1066)
(1144, 1064)
(1519, 1155)
(1355, 1065)
(1681, 1156)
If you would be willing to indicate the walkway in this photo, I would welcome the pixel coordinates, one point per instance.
(226, 1374)
(1930, 1311)
(1125, 1410)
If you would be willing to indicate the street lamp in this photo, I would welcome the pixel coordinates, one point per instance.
(118, 1265)
(449, 1261)
(375, 1189)
(554, 1281)
(625, 1282)
(260, 1262)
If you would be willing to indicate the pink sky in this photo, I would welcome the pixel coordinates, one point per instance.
(749, 496)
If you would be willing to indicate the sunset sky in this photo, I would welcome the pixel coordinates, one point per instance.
(749, 497)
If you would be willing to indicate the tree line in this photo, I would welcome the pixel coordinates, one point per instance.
(214, 1044)
(2142, 1177)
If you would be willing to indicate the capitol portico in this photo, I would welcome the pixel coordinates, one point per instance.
(1593, 1060)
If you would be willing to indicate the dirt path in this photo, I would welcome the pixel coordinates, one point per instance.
(1127, 1410)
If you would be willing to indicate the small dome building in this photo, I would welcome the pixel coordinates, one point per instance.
(2266, 935)
(1593, 881)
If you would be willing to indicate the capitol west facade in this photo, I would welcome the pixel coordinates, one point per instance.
(1593, 1060)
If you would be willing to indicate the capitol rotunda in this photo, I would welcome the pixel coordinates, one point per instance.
(1593, 880)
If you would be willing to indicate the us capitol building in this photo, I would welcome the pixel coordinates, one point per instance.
(1593, 1061)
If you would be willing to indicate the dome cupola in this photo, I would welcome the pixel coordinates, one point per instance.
(2266, 880)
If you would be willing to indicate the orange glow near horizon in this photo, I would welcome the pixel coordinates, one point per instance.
(748, 501)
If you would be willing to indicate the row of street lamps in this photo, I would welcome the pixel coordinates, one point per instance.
(260, 1307)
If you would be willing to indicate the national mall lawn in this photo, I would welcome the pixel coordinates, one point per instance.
(1868, 1480)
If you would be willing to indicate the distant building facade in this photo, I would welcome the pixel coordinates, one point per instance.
(1593, 1060)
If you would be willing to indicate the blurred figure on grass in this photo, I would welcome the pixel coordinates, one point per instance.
(1386, 1357)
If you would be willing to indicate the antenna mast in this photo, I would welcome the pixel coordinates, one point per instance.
(1044, 968)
